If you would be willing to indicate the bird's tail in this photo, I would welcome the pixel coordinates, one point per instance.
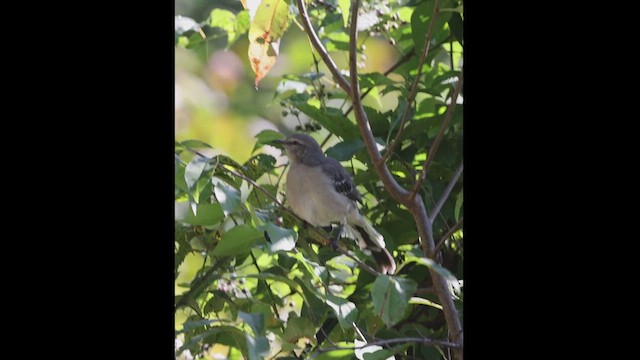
(369, 238)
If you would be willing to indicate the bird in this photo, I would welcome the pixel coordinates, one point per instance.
(320, 191)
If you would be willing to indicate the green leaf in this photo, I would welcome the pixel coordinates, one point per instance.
(207, 215)
(346, 354)
(344, 151)
(257, 343)
(331, 119)
(237, 241)
(459, 200)
(255, 321)
(268, 276)
(345, 311)
(374, 79)
(446, 274)
(455, 24)
(298, 327)
(266, 137)
(225, 20)
(227, 195)
(345, 7)
(281, 238)
(187, 326)
(193, 171)
(420, 20)
(232, 336)
(391, 297)
(257, 346)
(270, 21)
(198, 285)
(243, 22)
(422, 301)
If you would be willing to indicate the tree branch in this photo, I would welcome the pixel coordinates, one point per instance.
(414, 87)
(395, 190)
(440, 285)
(445, 194)
(444, 237)
(400, 61)
(315, 41)
(395, 341)
(434, 147)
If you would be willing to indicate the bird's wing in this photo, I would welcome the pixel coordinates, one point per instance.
(342, 182)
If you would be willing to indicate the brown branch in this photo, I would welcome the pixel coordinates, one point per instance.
(394, 341)
(440, 285)
(315, 41)
(444, 237)
(414, 87)
(434, 147)
(400, 61)
(445, 193)
(395, 190)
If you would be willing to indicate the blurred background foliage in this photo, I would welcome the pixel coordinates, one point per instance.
(216, 100)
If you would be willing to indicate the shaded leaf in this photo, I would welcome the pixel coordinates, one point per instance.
(332, 119)
(391, 297)
(255, 321)
(420, 20)
(268, 276)
(374, 79)
(446, 274)
(257, 346)
(345, 311)
(298, 327)
(237, 241)
(266, 137)
(455, 24)
(281, 238)
(344, 151)
(198, 286)
(187, 326)
(207, 215)
(459, 200)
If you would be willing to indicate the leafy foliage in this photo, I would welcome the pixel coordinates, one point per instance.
(271, 287)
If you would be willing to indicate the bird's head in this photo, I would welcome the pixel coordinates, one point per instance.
(299, 146)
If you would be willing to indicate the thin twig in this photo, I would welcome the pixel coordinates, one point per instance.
(434, 147)
(445, 194)
(414, 87)
(394, 341)
(315, 41)
(444, 237)
(273, 300)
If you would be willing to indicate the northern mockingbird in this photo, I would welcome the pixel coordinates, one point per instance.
(321, 192)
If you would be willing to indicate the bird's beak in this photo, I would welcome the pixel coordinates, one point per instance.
(278, 142)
